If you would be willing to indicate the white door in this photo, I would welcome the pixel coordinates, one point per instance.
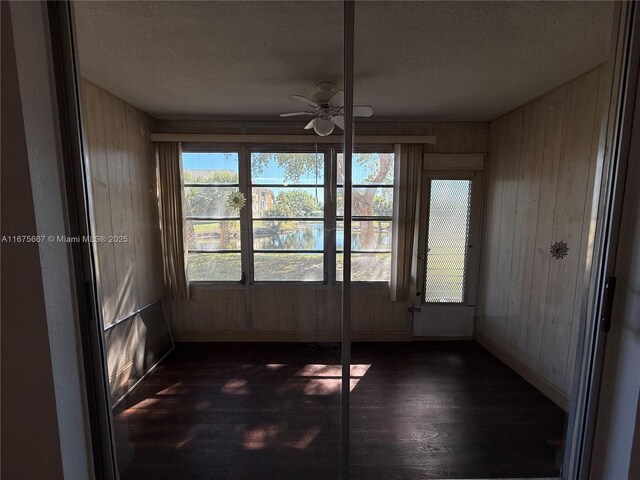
(448, 253)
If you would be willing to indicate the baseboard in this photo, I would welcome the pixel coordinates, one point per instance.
(556, 396)
(286, 336)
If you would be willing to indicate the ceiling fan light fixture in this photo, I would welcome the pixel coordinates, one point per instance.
(323, 127)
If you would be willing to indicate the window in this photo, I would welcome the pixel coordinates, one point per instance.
(212, 227)
(372, 212)
(281, 235)
(287, 206)
(447, 240)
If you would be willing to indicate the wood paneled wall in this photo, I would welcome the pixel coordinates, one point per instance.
(451, 137)
(541, 168)
(306, 312)
(289, 313)
(124, 195)
(123, 181)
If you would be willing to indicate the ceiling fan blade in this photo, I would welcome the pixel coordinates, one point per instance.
(362, 111)
(302, 99)
(311, 124)
(338, 120)
(337, 100)
(293, 114)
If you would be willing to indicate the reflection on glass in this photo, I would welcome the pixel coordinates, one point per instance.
(210, 167)
(366, 235)
(367, 201)
(287, 202)
(287, 168)
(209, 202)
(372, 197)
(366, 267)
(368, 168)
(288, 235)
(212, 235)
(213, 267)
(292, 267)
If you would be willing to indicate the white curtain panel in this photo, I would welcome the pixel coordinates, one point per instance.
(406, 189)
(169, 158)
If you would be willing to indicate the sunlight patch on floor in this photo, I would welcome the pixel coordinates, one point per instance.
(235, 386)
(327, 386)
(320, 370)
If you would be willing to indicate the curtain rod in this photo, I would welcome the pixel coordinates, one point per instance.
(312, 139)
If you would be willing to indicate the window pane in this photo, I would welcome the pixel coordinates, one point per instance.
(208, 235)
(368, 168)
(366, 235)
(449, 213)
(367, 202)
(210, 167)
(366, 267)
(288, 235)
(287, 202)
(292, 267)
(214, 267)
(209, 201)
(287, 168)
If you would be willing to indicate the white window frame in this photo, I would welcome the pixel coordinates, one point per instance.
(362, 149)
(287, 148)
(329, 219)
(207, 148)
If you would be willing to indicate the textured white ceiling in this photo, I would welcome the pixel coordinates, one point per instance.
(414, 60)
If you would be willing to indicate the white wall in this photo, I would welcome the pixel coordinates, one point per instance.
(38, 100)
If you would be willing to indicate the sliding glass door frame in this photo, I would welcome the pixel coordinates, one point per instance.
(598, 290)
(79, 206)
(584, 402)
(347, 149)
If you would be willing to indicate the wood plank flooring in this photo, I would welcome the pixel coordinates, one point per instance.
(424, 410)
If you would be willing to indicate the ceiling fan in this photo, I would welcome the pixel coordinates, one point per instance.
(328, 109)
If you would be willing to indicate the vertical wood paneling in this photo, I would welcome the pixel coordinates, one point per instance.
(100, 196)
(570, 205)
(136, 150)
(334, 304)
(492, 228)
(443, 141)
(533, 136)
(554, 126)
(586, 237)
(115, 127)
(122, 167)
(539, 188)
(511, 163)
(310, 314)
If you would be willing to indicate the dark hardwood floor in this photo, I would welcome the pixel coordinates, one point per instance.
(421, 410)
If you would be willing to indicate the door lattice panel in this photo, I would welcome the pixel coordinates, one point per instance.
(447, 240)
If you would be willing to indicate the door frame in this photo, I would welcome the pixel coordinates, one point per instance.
(615, 138)
(450, 319)
(78, 206)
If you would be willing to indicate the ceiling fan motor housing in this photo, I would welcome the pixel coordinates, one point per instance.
(326, 90)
